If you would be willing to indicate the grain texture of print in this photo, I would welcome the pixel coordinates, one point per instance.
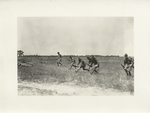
(75, 56)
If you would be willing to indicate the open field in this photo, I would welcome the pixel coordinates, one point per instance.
(39, 75)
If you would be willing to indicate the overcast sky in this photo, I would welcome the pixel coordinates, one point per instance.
(76, 35)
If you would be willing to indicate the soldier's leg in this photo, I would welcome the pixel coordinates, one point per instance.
(90, 65)
(126, 72)
(80, 65)
(71, 65)
(83, 65)
(129, 73)
(94, 68)
(57, 63)
(126, 69)
(60, 62)
(85, 68)
(74, 66)
(129, 69)
(96, 71)
(78, 69)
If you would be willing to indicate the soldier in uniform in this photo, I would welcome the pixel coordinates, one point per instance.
(90, 63)
(96, 64)
(73, 62)
(59, 61)
(81, 64)
(128, 64)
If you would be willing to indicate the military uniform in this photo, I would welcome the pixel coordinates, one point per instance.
(73, 62)
(90, 63)
(81, 64)
(128, 64)
(96, 64)
(59, 59)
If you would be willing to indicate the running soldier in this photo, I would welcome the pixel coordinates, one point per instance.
(81, 64)
(79, 60)
(59, 61)
(128, 64)
(90, 63)
(96, 64)
(73, 62)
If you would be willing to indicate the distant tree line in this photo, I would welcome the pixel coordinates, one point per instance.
(21, 53)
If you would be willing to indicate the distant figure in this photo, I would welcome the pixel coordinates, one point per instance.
(90, 63)
(59, 61)
(128, 64)
(20, 53)
(73, 62)
(96, 64)
(81, 64)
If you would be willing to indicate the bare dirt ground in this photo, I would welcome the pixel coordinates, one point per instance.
(65, 89)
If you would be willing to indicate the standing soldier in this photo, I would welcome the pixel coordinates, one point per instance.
(59, 61)
(73, 62)
(128, 64)
(81, 64)
(96, 64)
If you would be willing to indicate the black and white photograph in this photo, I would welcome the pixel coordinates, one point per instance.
(75, 56)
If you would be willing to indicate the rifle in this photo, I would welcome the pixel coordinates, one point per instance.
(124, 69)
(122, 66)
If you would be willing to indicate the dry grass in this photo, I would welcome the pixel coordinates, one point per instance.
(111, 74)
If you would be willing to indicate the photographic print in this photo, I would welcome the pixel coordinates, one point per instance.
(75, 56)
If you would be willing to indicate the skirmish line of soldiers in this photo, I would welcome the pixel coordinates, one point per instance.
(93, 64)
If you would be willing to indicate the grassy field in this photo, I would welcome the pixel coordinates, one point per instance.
(43, 70)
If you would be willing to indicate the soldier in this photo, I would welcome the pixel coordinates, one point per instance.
(20, 53)
(90, 63)
(81, 64)
(128, 64)
(73, 62)
(59, 61)
(79, 60)
(96, 64)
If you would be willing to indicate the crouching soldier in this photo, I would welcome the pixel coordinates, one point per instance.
(81, 64)
(96, 64)
(90, 63)
(128, 64)
(73, 62)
